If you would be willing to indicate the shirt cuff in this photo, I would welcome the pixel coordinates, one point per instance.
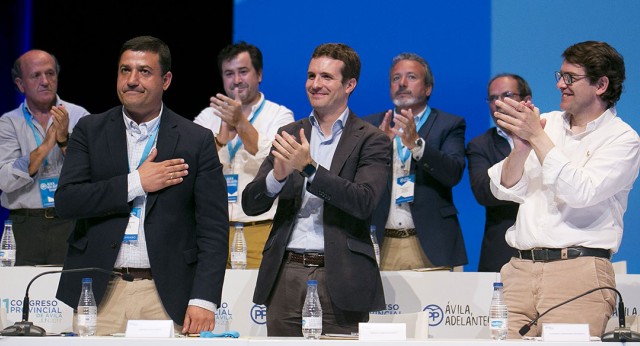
(203, 304)
(273, 185)
(417, 154)
(134, 186)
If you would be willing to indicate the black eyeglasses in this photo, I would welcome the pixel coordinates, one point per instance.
(568, 77)
(493, 98)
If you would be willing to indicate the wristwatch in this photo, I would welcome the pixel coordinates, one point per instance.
(419, 143)
(309, 169)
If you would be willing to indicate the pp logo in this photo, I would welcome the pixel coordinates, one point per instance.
(435, 314)
(259, 314)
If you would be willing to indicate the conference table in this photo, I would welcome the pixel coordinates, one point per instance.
(457, 305)
(268, 341)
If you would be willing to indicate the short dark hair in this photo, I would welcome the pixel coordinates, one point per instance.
(344, 53)
(150, 44)
(523, 87)
(599, 59)
(16, 70)
(231, 51)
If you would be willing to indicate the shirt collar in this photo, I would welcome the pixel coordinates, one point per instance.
(337, 126)
(142, 128)
(593, 124)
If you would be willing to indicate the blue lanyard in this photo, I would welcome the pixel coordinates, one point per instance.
(36, 134)
(148, 146)
(403, 153)
(233, 149)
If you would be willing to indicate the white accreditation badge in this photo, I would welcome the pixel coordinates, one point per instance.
(131, 233)
(232, 187)
(403, 189)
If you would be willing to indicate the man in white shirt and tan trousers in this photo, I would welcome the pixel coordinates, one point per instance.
(244, 124)
(571, 171)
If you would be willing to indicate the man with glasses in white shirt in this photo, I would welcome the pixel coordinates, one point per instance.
(571, 172)
(484, 151)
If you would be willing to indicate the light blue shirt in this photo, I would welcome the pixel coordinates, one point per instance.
(308, 231)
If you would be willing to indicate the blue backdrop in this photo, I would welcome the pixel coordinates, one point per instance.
(465, 42)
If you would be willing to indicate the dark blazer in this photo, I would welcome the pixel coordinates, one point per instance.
(438, 171)
(350, 188)
(483, 152)
(186, 225)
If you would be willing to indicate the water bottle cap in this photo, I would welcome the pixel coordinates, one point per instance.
(372, 228)
(239, 224)
(85, 280)
(8, 222)
(312, 282)
(497, 284)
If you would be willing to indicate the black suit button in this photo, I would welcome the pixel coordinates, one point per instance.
(114, 245)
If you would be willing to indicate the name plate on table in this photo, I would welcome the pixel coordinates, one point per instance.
(382, 331)
(565, 332)
(149, 329)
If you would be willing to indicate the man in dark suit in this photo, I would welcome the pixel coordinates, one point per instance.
(417, 218)
(329, 171)
(148, 191)
(483, 152)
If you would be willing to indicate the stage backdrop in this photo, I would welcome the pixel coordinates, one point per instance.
(465, 42)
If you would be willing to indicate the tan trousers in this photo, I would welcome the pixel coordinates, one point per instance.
(402, 254)
(123, 301)
(530, 288)
(255, 236)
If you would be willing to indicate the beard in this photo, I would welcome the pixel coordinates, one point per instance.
(405, 102)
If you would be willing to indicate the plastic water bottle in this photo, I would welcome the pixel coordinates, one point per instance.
(498, 312)
(312, 312)
(239, 248)
(7, 246)
(87, 316)
(374, 241)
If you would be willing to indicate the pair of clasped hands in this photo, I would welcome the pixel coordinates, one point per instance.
(521, 119)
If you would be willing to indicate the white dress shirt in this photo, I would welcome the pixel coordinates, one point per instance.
(579, 195)
(244, 164)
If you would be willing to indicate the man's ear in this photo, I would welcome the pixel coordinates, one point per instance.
(602, 85)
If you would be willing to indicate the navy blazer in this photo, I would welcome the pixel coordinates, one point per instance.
(186, 225)
(483, 152)
(440, 168)
(350, 188)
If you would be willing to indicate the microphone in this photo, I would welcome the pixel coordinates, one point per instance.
(26, 328)
(620, 334)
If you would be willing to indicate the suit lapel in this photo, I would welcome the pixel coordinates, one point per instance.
(426, 128)
(117, 144)
(351, 134)
(502, 145)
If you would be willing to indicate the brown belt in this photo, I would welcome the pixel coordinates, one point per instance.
(47, 213)
(308, 259)
(253, 223)
(400, 233)
(136, 273)
(548, 255)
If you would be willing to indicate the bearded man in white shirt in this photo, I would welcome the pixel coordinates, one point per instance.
(571, 171)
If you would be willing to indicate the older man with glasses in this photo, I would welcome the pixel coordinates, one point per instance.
(483, 152)
(571, 172)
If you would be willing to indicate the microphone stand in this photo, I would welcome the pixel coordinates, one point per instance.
(26, 328)
(620, 334)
